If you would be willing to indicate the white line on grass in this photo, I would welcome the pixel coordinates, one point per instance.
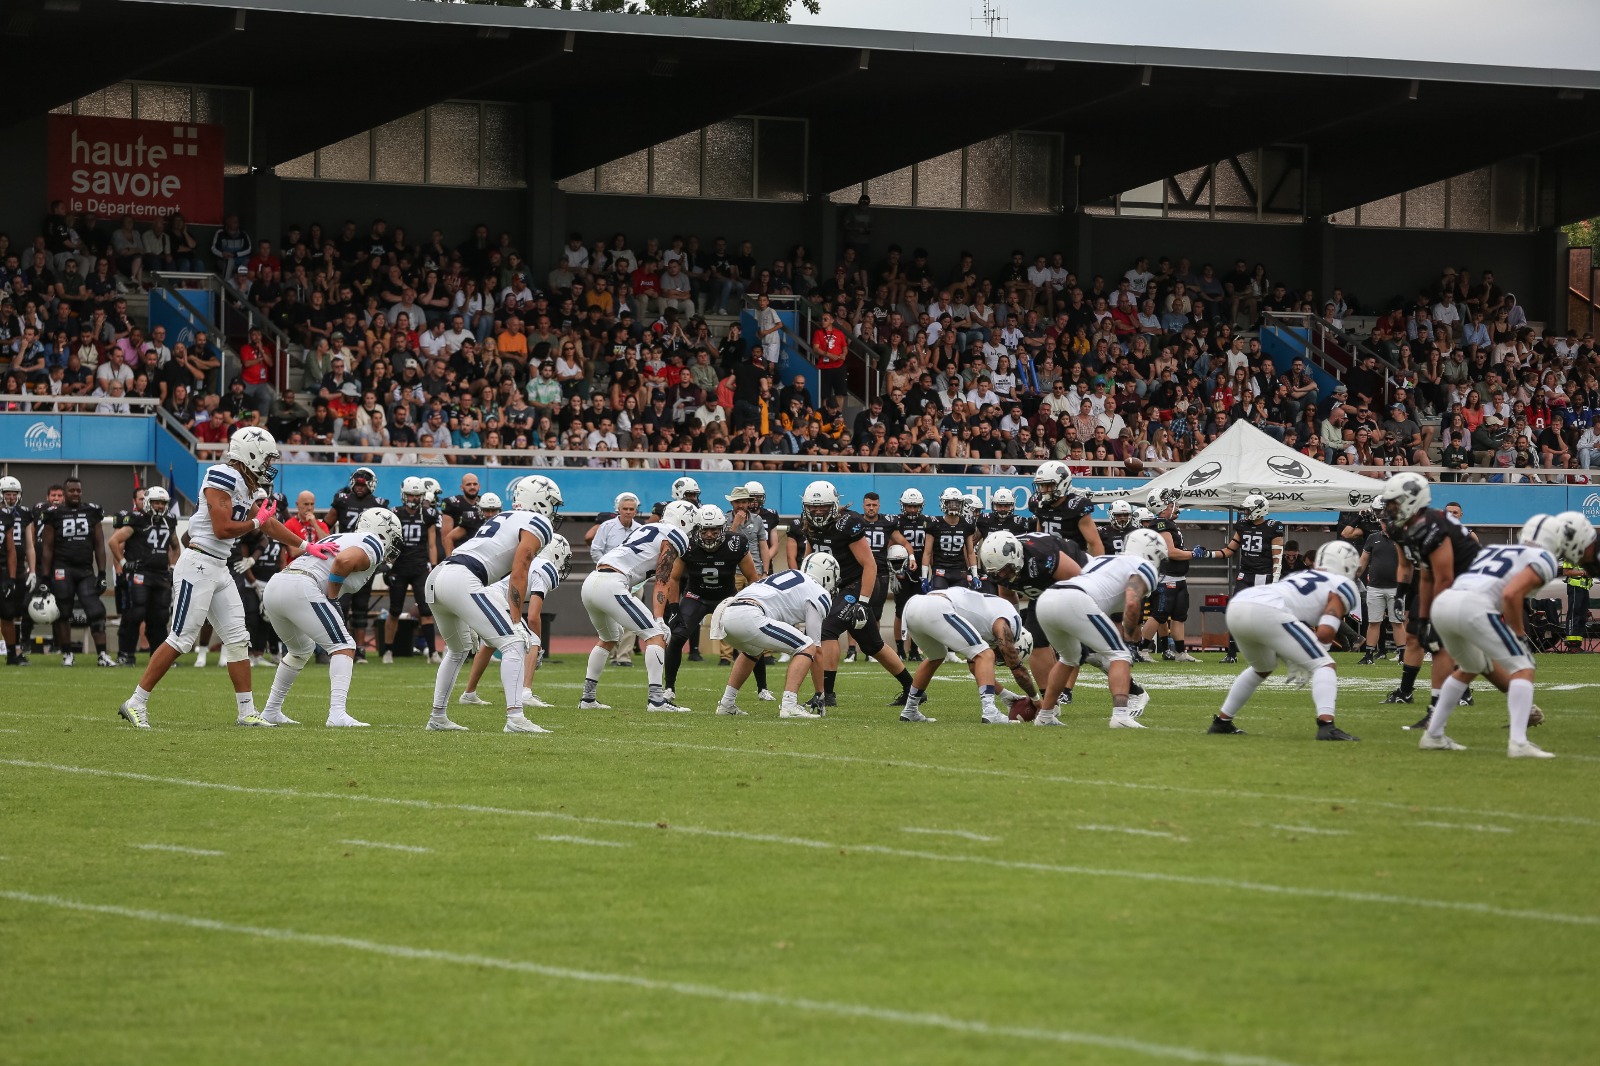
(389, 847)
(1312, 830)
(962, 833)
(1467, 907)
(561, 838)
(177, 848)
(1133, 832)
(10, 730)
(1088, 782)
(1469, 828)
(916, 1019)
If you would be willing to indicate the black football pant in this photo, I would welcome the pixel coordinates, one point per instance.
(149, 606)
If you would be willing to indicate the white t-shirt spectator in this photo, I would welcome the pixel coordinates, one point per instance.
(1005, 384)
(981, 398)
(1039, 276)
(437, 345)
(575, 258)
(1447, 313)
(993, 349)
(1011, 336)
(596, 437)
(1139, 279)
(114, 370)
(455, 338)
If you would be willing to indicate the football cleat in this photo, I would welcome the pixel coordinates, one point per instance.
(666, 706)
(472, 698)
(517, 723)
(1139, 655)
(254, 720)
(732, 710)
(106, 660)
(831, 699)
(1466, 699)
(1527, 749)
(66, 658)
(766, 696)
(911, 714)
(344, 721)
(1065, 697)
(1225, 658)
(1185, 657)
(127, 660)
(277, 718)
(593, 705)
(1220, 724)
(133, 714)
(1169, 657)
(530, 700)
(388, 658)
(670, 693)
(1398, 696)
(1429, 742)
(1050, 718)
(1420, 723)
(850, 656)
(1369, 659)
(440, 723)
(1329, 731)
(1137, 702)
(200, 659)
(1124, 720)
(794, 710)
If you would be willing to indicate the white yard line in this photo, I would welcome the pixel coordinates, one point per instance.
(177, 848)
(590, 841)
(1133, 832)
(830, 1008)
(1313, 830)
(1468, 827)
(962, 833)
(388, 847)
(1151, 876)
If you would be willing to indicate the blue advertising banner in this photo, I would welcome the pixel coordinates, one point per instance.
(76, 438)
(182, 312)
(30, 437)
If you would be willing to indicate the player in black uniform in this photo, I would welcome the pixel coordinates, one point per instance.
(881, 533)
(841, 533)
(419, 553)
(950, 555)
(705, 574)
(912, 526)
(1171, 609)
(18, 566)
(1060, 512)
(1115, 532)
(144, 547)
(1357, 525)
(342, 516)
(1258, 542)
(457, 511)
(74, 560)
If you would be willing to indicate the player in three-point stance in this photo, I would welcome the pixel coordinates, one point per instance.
(783, 612)
(459, 590)
(202, 583)
(549, 569)
(1294, 620)
(976, 626)
(301, 603)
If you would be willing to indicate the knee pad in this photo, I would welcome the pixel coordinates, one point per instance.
(296, 662)
(237, 653)
(94, 612)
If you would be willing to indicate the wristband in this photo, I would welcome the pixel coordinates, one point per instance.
(1330, 621)
(255, 524)
(335, 579)
(301, 547)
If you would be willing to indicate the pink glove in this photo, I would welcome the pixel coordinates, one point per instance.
(268, 510)
(321, 549)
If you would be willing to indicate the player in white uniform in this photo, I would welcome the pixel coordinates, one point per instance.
(549, 567)
(780, 613)
(1295, 620)
(974, 626)
(301, 602)
(1075, 615)
(1480, 619)
(202, 584)
(616, 613)
(463, 605)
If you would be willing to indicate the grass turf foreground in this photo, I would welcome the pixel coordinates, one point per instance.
(695, 889)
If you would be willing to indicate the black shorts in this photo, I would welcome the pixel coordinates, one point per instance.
(944, 577)
(1250, 581)
(685, 621)
(909, 587)
(73, 584)
(14, 602)
(1412, 589)
(412, 580)
(868, 638)
(358, 607)
(1172, 601)
(1030, 622)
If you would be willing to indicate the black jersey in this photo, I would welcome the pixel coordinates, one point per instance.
(74, 527)
(1010, 522)
(267, 553)
(709, 572)
(1434, 528)
(1383, 561)
(418, 526)
(913, 527)
(1061, 519)
(877, 531)
(1041, 554)
(1255, 544)
(1112, 538)
(14, 523)
(148, 547)
(837, 539)
(1367, 522)
(462, 508)
(770, 518)
(1172, 567)
(347, 508)
(950, 543)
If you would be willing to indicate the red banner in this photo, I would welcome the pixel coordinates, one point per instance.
(111, 167)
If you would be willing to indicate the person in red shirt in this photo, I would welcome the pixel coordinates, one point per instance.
(646, 288)
(828, 344)
(305, 522)
(263, 257)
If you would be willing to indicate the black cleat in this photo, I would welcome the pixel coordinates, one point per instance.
(1220, 724)
(1329, 731)
(1230, 658)
(1369, 659)
(1066, 695)
(127, 660)
(1398, 696)
(830, 699)
(696, 657)
(1466, 699)
(1420, 723)
(914, 657)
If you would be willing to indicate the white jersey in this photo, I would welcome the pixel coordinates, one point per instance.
(543, 577)
(201, 536)
(1303, 594)
(495, 543)
(610, 534)
(981, 610)
(321, 568)
(1106, 579)
(635, 558)
(1494, 568)
(786, 595)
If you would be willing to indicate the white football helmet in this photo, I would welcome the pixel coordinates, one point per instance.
(432, 490)
(971, 507)
(953, 502)
(413, 490)
(10, 490)
(1578, 533)
(1144, 515)
(1255, 507)
(820, 504)
(559, 552)
(256, 453)
(1002, 501)
(1051, 482)
(823, 569)
(911, 502)
(1121, 514)
(1148, 545)
(1160, 500)
(43, 608)
(538, 494)
(898, 559)
(681, 515)
(1338, 557)
(1544, 531)
(758, 493)
(489, 504)
(1404, 495)
(999, 551)
(156, 494)
(686, 488)
(384, 525)
(711, 526)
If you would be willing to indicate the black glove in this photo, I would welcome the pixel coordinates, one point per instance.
(100, 583)
(1400, 598)
(857, 616)
(817, 704)
(7, 587)
(1427, 637)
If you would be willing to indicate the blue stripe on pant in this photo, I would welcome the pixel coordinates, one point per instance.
(487, 606)
(1513, 645)
(636, 612)
(1107, 631)
(1302, 637)
(180, 609)
(782, 636)
(330, 622)
(967, 632)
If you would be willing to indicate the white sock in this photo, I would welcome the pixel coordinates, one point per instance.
(729, 693)
(987, 699)
(140, 697)
(598, 657)
(445, 679)
(1324, 690)
(247, 703)
(1244, 686)
(655, 666)
(282, 679)
(511, 657)
(1445, 704)
(1519, 700)
(340, 667)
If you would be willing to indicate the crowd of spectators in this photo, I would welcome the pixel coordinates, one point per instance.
(437, 345)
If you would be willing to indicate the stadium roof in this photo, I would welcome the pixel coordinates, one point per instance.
(322, 70)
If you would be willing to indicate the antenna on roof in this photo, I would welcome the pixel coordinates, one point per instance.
(991, 18)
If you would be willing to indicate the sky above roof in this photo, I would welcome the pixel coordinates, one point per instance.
(1561, 34)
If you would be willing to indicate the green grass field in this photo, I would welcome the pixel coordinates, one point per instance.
(695, 889)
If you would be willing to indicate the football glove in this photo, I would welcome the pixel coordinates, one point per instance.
(857, 616)
(322, 549)
(1427, 637)
(100, 583)
(927, 585)
(1199, 552)
(244, 565)
(32, 583)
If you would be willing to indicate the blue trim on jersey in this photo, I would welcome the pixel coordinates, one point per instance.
(960, 625)
(782, 636)
(1513, 645)
(679, 541)
(635, 611)
(551, 576)
(1347, 593)
(226, 484)
(1148, 572)
(1307, 641)
(540, 527)
(1108, 632)
(330, 621)
(377, 547)
(180, 606)
(501, 626)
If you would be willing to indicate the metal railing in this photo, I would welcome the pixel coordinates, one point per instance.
(235, 317)
(1334, 351)
(14, 403)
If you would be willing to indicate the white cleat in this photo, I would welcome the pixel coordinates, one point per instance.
(472, 699)
(1184, 657)
(784, 657)
(516, 723)
(133, 714)
(998, 719)
(795, 710)
(277, 718)
(200, 660)
(254, 720)
(530, 700)
(1527, 749)
(666, 706)
(1126, 721)
(1137, 704)
(1429, 742)
(439, 723)
(593, 705)
(732, 710)
(912, 714)
(344, 721)
(670, 694)
(255, 662)
(105, 660)
(766, 695)
(388, 658)
(1048, 719)
(66, 658)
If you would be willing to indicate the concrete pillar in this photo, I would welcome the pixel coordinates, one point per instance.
(1319, 258)
(545, 205)
(822, 234)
